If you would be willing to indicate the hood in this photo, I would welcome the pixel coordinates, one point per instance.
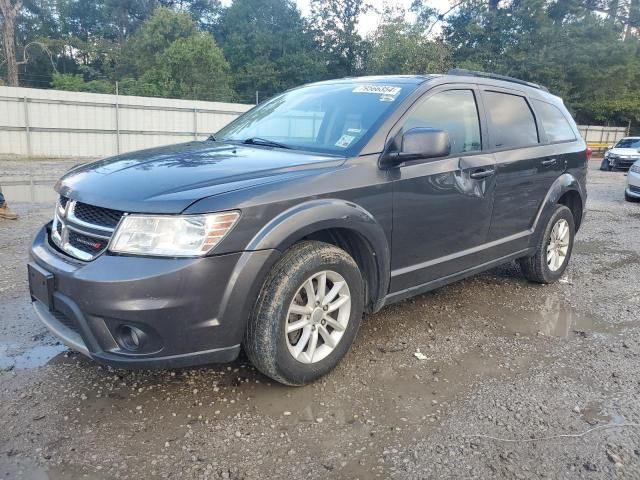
(630, 152)
(169, 179)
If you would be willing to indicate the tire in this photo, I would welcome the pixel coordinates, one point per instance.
(270, 349)
(537, 268)
(605, 165)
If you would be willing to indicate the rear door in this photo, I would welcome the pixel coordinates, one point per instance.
(442, 206)
(525, 168)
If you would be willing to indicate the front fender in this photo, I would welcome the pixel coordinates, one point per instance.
(322, 214)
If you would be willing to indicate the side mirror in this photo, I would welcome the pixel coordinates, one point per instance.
(420, 143)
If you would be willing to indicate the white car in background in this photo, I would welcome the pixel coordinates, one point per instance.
(632, 192)
(622, 155)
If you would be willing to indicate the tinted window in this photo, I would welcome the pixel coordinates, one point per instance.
(554, 122)
(512, 122)
(453, 111)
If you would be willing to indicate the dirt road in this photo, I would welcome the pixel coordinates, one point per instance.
(519, 380)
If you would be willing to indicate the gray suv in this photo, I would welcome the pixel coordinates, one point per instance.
(331, 200)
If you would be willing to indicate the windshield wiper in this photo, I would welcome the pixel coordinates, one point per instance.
(264, 141)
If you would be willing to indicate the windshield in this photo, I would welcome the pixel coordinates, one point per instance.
(628, 143)
(333, 118)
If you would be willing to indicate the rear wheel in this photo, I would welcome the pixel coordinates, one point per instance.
(553, 250)
(307, 314)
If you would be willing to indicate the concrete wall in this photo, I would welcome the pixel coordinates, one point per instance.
(54, 123)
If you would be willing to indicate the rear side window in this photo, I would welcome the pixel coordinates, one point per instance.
(512, 122)
(453, 111)
(554, 122)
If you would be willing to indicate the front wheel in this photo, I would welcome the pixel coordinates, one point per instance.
(553, 249)
(307, 314)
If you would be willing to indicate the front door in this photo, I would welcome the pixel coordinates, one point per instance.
(442, 207)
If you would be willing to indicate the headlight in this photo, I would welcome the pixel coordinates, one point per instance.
(635, 168)
(172, 236)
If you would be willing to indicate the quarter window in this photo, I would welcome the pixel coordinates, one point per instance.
(554, 122)
(512, 122)
(453, 111)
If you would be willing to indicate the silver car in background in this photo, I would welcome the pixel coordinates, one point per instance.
(632, 191)
(622, 155)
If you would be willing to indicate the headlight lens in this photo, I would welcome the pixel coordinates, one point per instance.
(635, 168)
(172, 236)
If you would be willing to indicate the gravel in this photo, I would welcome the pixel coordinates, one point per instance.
(513, 380)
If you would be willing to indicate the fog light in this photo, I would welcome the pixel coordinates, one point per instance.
(131, 338)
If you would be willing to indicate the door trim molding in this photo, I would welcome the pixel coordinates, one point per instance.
(453, 256)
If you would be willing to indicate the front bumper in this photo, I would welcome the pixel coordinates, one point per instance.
(189, 311)
(622, 163)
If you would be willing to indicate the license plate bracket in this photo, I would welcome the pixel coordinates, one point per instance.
(40, 284)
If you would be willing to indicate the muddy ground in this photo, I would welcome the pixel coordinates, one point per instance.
(519, 380)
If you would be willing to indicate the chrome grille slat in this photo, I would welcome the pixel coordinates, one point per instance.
(78, 237)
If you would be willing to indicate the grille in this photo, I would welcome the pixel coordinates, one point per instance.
(86, 243)
(634, 189)
(82, 230)
(104, 217)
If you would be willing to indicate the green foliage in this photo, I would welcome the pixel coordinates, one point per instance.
(192, 67)
(269, 47)
(587, 51)
(576, 53)
(401, 46)
(336, 29)
(76, 83)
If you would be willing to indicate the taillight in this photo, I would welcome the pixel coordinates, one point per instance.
(589, 152)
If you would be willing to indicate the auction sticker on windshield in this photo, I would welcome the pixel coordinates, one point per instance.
(378, 89)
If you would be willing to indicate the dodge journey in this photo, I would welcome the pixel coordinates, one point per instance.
(322, 204)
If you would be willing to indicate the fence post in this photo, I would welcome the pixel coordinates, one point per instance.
(195, 123)
(117, 121)
(27, 127)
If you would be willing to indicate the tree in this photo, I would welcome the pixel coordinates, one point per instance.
(10, 10)
(336, 24)
(192, 67)
(399, 46)
(269, 46)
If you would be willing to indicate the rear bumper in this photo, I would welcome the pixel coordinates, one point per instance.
(189, 311)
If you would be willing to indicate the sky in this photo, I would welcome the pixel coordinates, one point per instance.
(370, 21)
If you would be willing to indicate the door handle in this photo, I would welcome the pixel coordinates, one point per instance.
(547, 163)
(482, 173)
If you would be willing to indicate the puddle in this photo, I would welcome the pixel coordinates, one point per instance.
(29, 190)
(552, 317)
(35, 356)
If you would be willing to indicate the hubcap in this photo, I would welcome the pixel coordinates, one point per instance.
(318, 316)
(558, 245)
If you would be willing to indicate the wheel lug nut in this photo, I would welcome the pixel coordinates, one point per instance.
(326, 307)
(323, 322)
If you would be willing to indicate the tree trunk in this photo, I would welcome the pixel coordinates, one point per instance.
(9, 14)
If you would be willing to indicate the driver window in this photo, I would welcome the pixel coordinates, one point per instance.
(455, 112)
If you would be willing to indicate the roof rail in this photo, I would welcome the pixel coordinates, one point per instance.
(495, 76)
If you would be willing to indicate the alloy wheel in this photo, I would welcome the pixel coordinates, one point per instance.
(318, 316)
(558, 245)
